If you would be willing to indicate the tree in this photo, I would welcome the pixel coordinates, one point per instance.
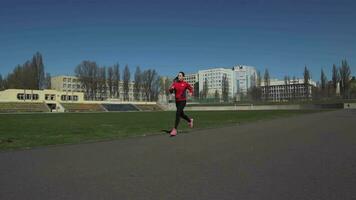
(225, 88)
(217, 96)
(30, 75)
(126, 81)
(138, 83)
(204, 93)
(47, 82)
(286, 87)
(87, 72)
(110, 81)
(150, 84)
(196, 90)
(335, 76)
(116, 81)
(306, 76)
(164, 86)
(267, 82)
(102, 83)
(323, 82)
(156, 87)
(345, 74)
(38, 68)
(1, 83)
(294, 92)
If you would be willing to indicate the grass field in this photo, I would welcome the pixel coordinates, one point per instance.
(18, 131)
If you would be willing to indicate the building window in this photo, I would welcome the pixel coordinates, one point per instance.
(20, 96)
(35, 96)
(69, 98)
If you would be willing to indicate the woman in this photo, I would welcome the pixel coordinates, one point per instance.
(179, 87)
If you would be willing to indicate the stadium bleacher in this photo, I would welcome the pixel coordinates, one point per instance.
(80, 107)
(149, 107)
(11, 107)
(120, 107)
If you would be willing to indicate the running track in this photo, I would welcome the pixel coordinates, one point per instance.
(304, 157)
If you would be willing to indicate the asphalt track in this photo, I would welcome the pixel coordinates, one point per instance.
(304, 157)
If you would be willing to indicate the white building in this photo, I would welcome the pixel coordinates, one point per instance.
(72, 84)
(280, 90)
(240, 79)
(66, 84)
(191, 79)
(214, 79)
(245, 77)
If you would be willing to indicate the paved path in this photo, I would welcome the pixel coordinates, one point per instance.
(304, 157)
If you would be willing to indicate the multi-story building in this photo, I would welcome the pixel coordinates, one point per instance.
(214, 79)
(73, 84)
(66, 84)
(280, 90)
(245, 77)
(191, 79)
(240, 78)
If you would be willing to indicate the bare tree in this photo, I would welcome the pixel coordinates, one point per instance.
(1, 83)
(38, 68)
(323, 82)
(150, 80)
(102, 83)
(306, 76)
(205, 89)
(217, 96)
(116, 81)
(110, 81)
(267, 81)
(86, 72)
(196, 90)
(335, 76)
(126, 82)
(345, 75)
(225, 88)
(47, 82)
(138, 83)
(294, 92)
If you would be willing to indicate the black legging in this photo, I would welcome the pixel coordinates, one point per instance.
(180, 113)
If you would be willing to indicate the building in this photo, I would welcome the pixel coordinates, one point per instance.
(214, 78)
(245, 77)
(240, 78)
(191, 79)
(51, 98)
(73, 84)
(66, 83)
(280, 90)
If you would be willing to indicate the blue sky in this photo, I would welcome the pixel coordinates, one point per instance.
(172, 36)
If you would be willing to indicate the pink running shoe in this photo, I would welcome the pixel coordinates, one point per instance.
(190, 124)
(173, 132)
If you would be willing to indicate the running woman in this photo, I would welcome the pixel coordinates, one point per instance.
(179, 87)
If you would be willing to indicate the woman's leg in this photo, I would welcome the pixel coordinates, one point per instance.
(179, 111)
(182, 114)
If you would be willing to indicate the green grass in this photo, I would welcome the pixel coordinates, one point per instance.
(18, 131)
